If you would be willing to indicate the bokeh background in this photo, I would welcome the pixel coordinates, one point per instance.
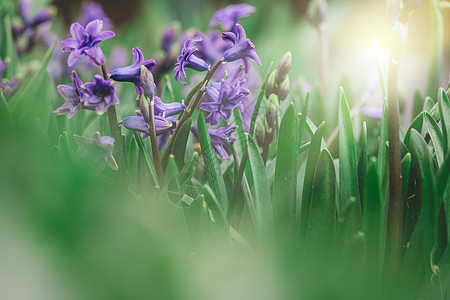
(65, 234)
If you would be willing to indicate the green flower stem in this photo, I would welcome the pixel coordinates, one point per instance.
(119, 148)
(189, 110)
(154, 142)
(395, 211)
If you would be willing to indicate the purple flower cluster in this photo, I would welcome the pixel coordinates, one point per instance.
(223, 97)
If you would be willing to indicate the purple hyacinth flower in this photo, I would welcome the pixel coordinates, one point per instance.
(228, 17)
(94, 11)
(187, 59)
(44, 15)
(74, 96)
(219, 138)
(137, 123)
(3, 66)
(84, 41)
(242, 48)
(168, 36)
(167, 109)
(132, 73)
(100, 94)
(99, 148)
(223, 98)
(373, 112)
(212, 47)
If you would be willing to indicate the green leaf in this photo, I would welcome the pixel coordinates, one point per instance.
(8, 48)
(262, 201)
(32, 98)
(216, 208)
(259, 100)
(213, 173)
(313, 156)
(322, 214)
(406, 166)
(416, 124)
(179, 145)
(348, 169)
(382, 149)
(363, 158)
(285, 181)
(189, 168)
(428, 105)
(302, 122)
(144, 152)
(444, 110)
(426, 189)
(171, 168)
(5, 117)
(436, 137)
(373, 216)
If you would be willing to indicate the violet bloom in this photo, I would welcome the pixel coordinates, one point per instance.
(167, 109)
(44, 15)
(3, 66)
(242, 48)
(168, 36)
(100, 94)
(372, 112)
(219, 138)
(132, 73)
(137, 123)
(94, 11)
(228, 17)
(74, 96)
(187, 59)
(223, 98)
(99, 148)
(212, 47)
(84, 41)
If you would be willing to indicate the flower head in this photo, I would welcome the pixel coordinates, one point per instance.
(98, 148)
(44, 15)
(100, 94)
(223, 98)
(372, 112)
(3, 66)
(219, 138)
(167, 109)
(84, 41)
(132, 73)
(228, 17)
(74, 96)
(187, 59)
(138, 123)
(242, 48)
(168, 36)
(212, 47)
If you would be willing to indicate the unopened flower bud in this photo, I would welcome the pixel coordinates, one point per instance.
(169, 36)
(399, 33)
(317, 12)
(284, 67)
(284, 88)
(147, 82)
(144, 105)
(272, 109)
(271, 84)
(260, 130)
